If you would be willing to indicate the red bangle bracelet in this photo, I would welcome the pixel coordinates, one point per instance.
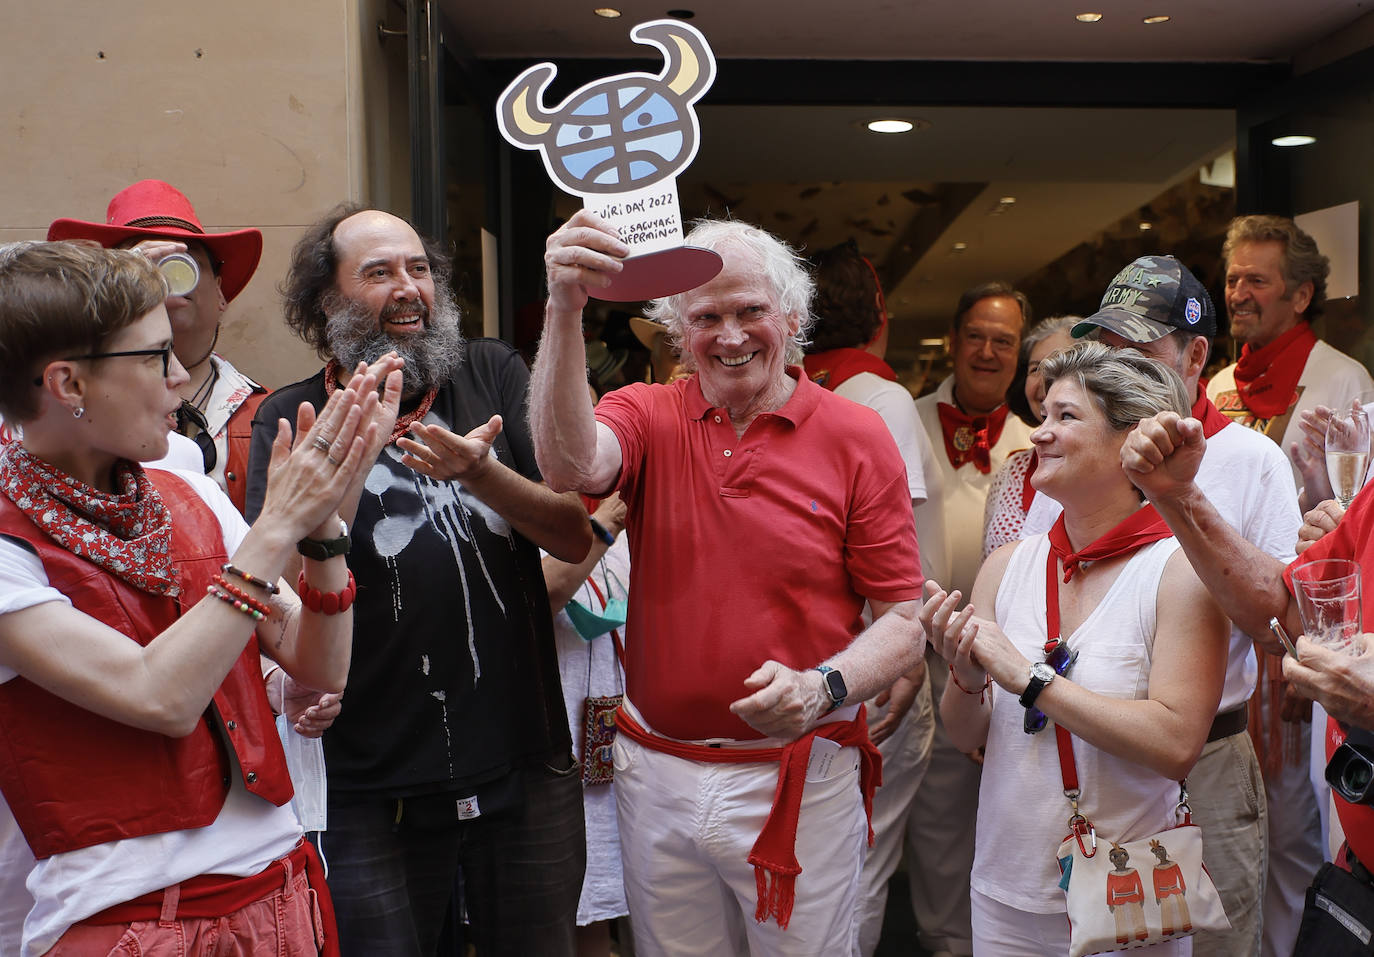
(327, 602)
(261, 607)
(987, 683)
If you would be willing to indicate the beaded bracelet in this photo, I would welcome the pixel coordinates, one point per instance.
(980, 692)
(237, 605)
(327, 602)
(270, 587)
(261, 607)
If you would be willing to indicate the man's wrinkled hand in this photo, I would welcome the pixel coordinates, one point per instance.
(785, 703)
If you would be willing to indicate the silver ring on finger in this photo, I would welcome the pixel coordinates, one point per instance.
(321, 443)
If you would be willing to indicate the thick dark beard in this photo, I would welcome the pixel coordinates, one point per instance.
(354, 335)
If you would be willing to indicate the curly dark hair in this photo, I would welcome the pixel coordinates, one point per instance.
(846, 307)
(314, 262)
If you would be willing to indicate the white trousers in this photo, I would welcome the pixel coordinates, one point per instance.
(686, 829)
(905, 757)
(1002, 931)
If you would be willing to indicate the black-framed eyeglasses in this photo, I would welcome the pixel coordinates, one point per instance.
(165, 352)
(1060, 657)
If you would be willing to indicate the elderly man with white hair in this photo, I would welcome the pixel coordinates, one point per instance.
(763, 511)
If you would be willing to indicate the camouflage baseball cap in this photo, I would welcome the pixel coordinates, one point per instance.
(1151, 298)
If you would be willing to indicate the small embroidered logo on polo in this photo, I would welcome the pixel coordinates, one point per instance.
(814, 506)
(1192, 311)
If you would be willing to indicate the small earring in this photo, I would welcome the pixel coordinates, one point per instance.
(78, 412)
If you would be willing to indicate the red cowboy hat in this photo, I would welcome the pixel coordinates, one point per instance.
(153, 209)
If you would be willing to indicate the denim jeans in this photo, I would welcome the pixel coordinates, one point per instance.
(392, 882)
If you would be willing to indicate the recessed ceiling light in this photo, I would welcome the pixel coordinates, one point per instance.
(1162, 18)
(1145, 227)
(1008, 201)
(610, 13)
(959, 247)
(890, 126)
(1088, 17)
(1297, 139)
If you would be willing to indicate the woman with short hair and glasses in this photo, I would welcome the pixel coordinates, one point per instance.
(1102, 627)
(138, 756)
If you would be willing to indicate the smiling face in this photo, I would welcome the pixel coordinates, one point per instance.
(984, 353)
(1035, 383)
(383, 266)
(737, 338)
(1076, 448)
(1258, 301)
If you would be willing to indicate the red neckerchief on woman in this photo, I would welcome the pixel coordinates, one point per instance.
(1142, 527)
(970, 438)
(828, 369)
(128, 533)
(1267, 378)
(1212, 419)
(335, 378)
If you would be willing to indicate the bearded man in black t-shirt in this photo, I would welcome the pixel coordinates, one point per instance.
(452, 752)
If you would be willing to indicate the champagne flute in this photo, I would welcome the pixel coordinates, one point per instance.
(1347, 452)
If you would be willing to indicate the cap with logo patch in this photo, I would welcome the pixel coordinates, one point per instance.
(1151, 298)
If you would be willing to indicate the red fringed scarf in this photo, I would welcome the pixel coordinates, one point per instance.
(128, 533)
(1145, 525)
(830, 368)
(970, 438)
(1267, 378)
(774, 854)
(336, 377)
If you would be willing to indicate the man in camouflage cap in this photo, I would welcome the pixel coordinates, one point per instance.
(1155, 305)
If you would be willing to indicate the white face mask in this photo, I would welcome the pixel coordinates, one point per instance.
(305, 761)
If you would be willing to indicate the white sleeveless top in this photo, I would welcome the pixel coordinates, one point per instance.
(1022, 812)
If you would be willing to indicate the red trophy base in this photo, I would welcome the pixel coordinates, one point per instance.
(663, 273)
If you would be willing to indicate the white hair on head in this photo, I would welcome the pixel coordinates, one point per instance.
(785, 271)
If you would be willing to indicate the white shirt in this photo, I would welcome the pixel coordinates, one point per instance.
(1330, 378)
(949, 526)
(248, 834)
(1247, 479)
(898, 410)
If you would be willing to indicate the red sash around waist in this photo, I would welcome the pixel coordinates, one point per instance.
(774, 853)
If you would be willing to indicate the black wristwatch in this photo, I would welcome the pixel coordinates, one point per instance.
(1041, 675)
(834, 686)
(324, 549)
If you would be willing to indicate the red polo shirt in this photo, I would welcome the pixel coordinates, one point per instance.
(751, 548)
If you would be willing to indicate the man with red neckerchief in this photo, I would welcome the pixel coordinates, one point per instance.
(1157, 306)
(972, 434)
(1275, 288)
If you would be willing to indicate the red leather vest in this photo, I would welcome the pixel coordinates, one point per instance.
(74, 778)
(240, 440)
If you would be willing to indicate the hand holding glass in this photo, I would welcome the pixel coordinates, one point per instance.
(1329, 600)
(1347, 452)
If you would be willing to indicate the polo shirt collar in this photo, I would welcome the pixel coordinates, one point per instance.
(803, 401)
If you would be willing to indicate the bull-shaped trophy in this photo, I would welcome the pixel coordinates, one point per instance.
(618, 143)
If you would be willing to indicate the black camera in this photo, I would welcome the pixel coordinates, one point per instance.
(1350, 772)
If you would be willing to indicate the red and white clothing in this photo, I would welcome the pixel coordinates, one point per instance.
(898, 410)
(247, 834)
(750, 548)
(229, 410)
(1021, 804)
(950, 523)
(1009, 498)
(745, 549)
(1330, 378)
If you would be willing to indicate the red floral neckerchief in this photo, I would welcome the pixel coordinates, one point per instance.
(336, 377)
(128, 533)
